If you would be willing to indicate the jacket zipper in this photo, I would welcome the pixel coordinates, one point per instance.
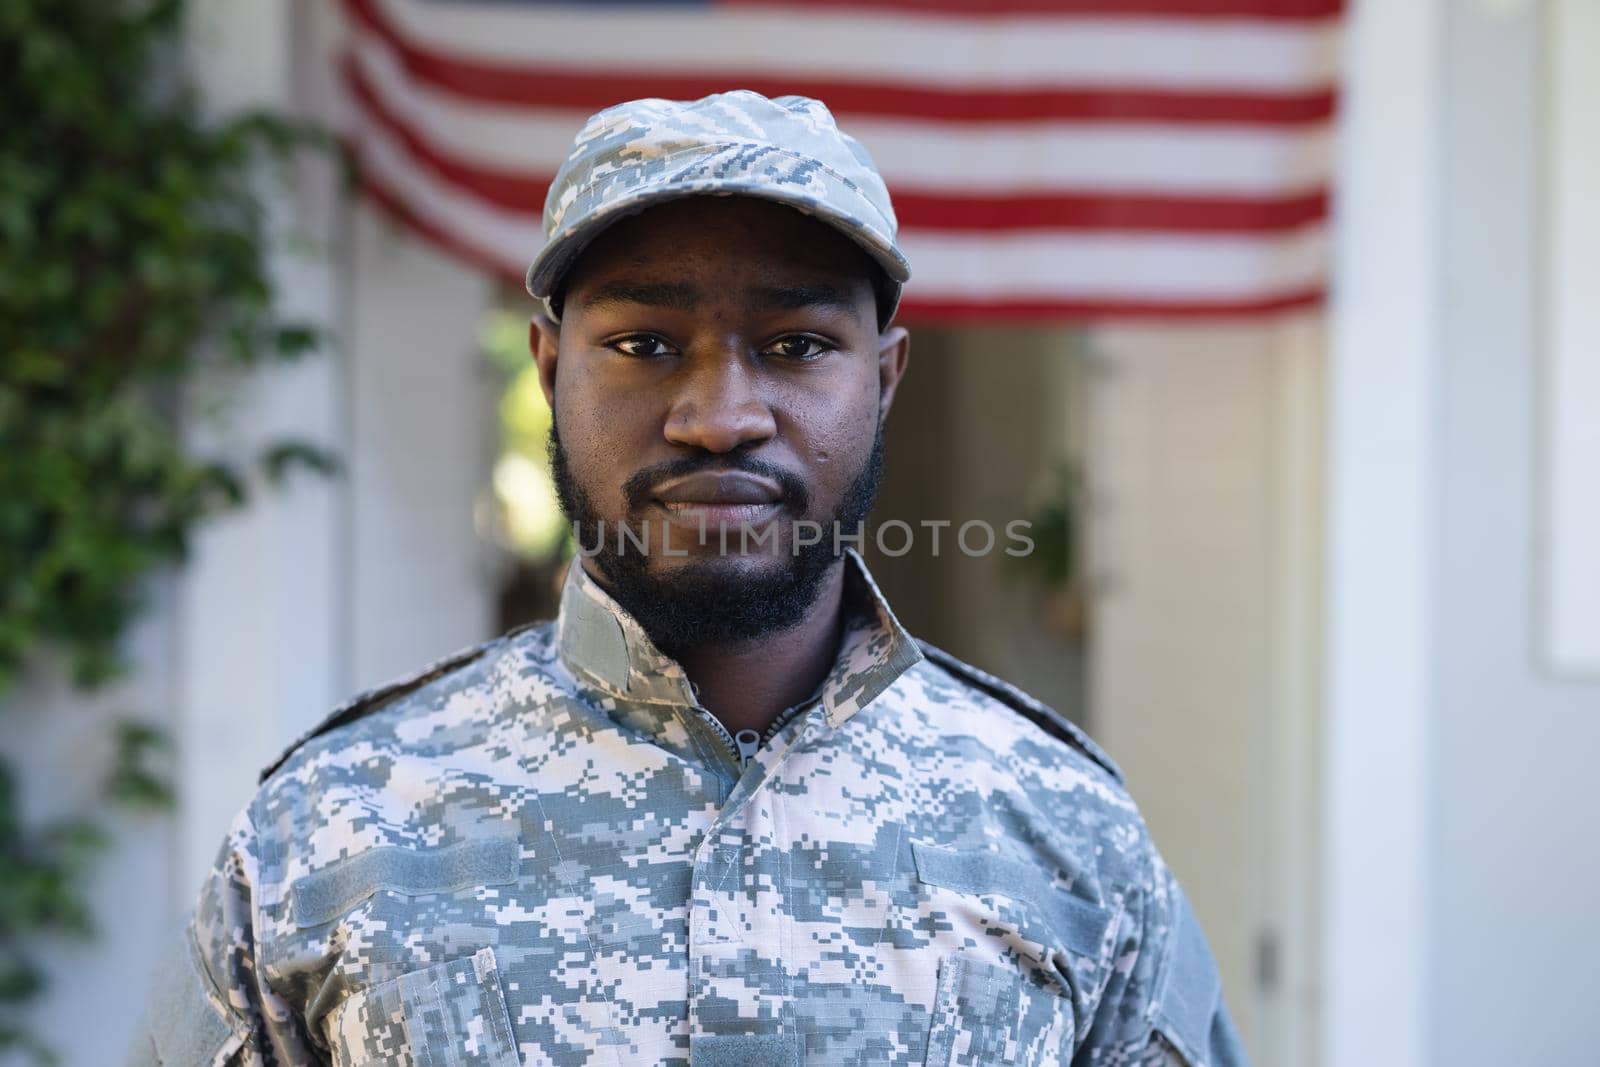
(728, 742)
(746, 743)
(783, 718)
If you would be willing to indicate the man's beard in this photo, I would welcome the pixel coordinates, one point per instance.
(707, 603)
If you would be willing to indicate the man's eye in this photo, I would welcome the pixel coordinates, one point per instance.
(642, 346)
(798, 346)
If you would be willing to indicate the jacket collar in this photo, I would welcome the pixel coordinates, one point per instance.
(605, 647)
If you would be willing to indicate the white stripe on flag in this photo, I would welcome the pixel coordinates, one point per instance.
(950, 51)
(1112, 266)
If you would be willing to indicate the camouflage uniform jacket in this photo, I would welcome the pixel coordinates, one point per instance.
(543, 851)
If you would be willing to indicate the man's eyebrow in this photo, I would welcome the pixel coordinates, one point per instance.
(677, 296)
(792, 297)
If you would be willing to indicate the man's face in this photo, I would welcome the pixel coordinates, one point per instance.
(718, 365)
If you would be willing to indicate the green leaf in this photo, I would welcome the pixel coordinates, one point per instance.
(297, 340)
(19, 980)
(278, 460)
(139, 777)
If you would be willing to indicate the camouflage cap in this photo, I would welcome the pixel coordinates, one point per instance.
(740, 143)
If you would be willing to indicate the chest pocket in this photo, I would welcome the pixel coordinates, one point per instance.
(451, 1014)
(987, 1011)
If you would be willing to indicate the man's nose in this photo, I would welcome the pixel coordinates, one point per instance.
(719, 405)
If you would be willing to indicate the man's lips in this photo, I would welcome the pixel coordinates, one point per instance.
(720, 516)
(716, 490)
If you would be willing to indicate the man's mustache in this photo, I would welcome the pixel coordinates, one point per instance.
(638, 490)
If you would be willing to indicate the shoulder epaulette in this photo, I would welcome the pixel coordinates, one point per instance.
(365, 703)
(1043, 715)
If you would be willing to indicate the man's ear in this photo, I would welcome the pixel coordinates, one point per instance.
(894, 350)
(544, 342)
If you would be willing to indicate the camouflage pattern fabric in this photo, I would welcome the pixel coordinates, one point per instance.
(543, 851)
(740, 143)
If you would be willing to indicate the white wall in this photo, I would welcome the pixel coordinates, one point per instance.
(1515, 872)
(1380, 515)
(1204, 450)
(1461, 925)
(59, 743)
(422, 429)
(1570, 401)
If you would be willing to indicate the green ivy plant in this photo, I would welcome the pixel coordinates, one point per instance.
(133, 258)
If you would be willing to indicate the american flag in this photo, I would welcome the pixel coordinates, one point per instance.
(1067, 160)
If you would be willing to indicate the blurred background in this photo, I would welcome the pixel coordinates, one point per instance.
(1280, 319)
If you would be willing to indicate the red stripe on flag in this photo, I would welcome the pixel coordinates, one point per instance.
(588, 90)
(1109, 210)
(914, 309)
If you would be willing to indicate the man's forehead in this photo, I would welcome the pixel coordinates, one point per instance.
(754, 295)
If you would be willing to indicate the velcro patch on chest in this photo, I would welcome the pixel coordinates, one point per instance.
(1080, 923)
(323, 895)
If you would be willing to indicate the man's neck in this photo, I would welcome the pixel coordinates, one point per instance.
(747, 685)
